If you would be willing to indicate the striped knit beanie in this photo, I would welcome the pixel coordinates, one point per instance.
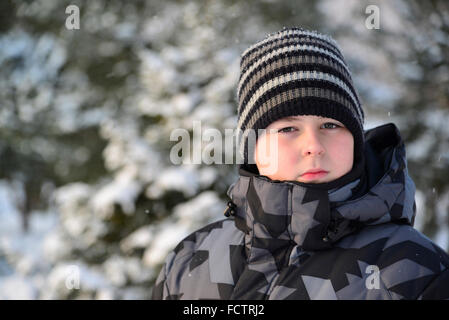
(295, 72)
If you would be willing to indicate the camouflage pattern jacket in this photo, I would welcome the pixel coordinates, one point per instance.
(286, 241)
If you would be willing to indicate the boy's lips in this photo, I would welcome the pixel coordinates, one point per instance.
(314, 174)
(317, 170)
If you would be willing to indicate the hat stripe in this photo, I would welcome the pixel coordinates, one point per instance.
(260, 76)
(291, 31)
(294, 49)
(275, 82)
(258, 70)
(274, 44)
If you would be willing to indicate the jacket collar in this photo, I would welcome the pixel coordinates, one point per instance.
(275, 214)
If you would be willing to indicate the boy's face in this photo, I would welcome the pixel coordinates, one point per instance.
(305, 143)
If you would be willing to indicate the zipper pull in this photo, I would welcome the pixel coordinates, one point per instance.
(230, 209)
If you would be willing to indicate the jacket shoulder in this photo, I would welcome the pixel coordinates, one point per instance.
(411, 263)
(408, 239)
(393, 242)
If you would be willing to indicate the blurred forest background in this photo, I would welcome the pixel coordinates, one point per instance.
(90, 203)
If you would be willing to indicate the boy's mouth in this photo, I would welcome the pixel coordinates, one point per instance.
(314, 174)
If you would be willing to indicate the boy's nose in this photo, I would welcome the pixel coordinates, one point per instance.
(311, 145)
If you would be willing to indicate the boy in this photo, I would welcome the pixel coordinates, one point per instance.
(334, 219)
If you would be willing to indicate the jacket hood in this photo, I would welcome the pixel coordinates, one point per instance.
(274, 214)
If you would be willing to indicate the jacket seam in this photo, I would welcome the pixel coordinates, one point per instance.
(251, 242)
(272, 285)
(290, 214)
(166, 284)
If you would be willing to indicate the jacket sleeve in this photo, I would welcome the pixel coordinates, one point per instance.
(159, 285)
(438, 289)
(161, 288)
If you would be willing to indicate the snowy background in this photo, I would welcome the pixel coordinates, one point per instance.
(90, 203)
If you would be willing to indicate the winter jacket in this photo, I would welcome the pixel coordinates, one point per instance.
(287, 241)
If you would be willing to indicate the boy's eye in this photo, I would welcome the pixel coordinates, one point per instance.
(286, 129)
(327, 125)
(330, 125)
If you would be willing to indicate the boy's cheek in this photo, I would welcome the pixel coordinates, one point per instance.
(342, 156)
(267, 148)
(266, 160)
(288, 163)
(278, 158)
(288, 155)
